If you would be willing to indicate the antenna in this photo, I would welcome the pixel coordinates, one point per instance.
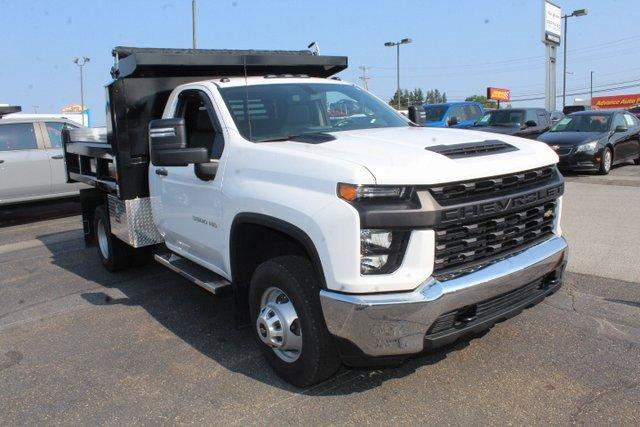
(246, 96)
(317, 48)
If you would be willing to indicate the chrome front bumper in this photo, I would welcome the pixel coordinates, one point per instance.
(396, 324)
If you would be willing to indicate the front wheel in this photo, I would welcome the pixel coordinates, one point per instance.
(285, 309)
(606, 161)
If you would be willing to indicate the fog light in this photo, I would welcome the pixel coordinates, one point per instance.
(372, 239)
(381, 251)
(372, 263)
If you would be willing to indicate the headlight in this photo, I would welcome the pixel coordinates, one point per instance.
(589, 147)
(381, 251)
(351, 192)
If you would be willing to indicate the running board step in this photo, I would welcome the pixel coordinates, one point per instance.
(202, 277)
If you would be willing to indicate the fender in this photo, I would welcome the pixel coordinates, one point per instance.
(281, 226)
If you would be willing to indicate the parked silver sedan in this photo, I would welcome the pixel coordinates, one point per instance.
(32, 161)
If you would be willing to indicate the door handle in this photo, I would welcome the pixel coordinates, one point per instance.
(1, 161)
(57, 156)
(162, 172)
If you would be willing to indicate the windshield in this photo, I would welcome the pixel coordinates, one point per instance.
(435, 114)
(280, 111)
(513, 118)
(583, 123)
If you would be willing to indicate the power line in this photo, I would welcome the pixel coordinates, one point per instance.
(580, 93)
(529, 59)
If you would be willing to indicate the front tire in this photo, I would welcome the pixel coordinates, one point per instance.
(285, 308)
(114, 253)
(606, 161)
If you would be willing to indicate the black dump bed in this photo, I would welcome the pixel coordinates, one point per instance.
(143, 81)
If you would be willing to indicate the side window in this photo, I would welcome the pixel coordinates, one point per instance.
(531, 115)
(459, 113)
(199, 127)
(631, 121)
(17, 136)
(474, 112)
(54, 129)
(619, 121)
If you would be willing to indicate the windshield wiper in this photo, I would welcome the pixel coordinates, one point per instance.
(312, 137)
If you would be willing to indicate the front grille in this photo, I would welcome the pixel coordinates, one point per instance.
(472, 149)
(563, 151)
(489, 187)
(461, 245)
(469, 316)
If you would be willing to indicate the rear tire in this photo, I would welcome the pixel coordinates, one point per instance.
(298, 347)
(606, 161)
(114, 253)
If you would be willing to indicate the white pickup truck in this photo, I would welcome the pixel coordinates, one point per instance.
(346, 233)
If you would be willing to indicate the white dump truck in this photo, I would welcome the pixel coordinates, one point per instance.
(345, 232)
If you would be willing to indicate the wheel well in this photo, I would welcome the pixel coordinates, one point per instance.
(258, 238)
(610, 147)
(90, 199)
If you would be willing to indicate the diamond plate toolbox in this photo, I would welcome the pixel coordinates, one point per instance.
(132, 221)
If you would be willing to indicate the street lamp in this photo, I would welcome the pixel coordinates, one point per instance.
(397, 45)
(576, 13)
(80, 62)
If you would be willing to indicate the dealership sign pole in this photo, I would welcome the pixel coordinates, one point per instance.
(551, 35)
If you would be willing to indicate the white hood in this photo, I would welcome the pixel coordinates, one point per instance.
(398, 155)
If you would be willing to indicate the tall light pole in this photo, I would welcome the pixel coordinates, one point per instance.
(397, 45)
(193, 23)
(591, 91)
(576, 13)
(80, 62)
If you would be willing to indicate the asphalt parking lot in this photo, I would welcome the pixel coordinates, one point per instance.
(79, 345)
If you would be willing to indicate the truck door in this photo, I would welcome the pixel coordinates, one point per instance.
(52, 132)
(24, 164)
(188, 209)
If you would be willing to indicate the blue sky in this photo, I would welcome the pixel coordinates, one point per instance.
(459, 46)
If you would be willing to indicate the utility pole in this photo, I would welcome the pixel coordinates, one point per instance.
(591, 91)
(193, 23)
(364, 76)
(81, 62)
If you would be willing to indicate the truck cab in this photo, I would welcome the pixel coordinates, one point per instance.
(452, 114)
(346, 233)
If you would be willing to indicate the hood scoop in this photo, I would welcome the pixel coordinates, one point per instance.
(472, 149)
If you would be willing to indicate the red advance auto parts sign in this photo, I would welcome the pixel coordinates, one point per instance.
(498, 94)
(616, 101)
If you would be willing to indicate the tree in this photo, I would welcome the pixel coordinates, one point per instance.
(405, 98)
(435, 97)
(490, 103)
(418, 96)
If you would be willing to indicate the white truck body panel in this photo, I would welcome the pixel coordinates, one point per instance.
(296, 182)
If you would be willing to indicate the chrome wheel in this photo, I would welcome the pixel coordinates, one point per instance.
(103, 240)
(606, 160)
(278, 325)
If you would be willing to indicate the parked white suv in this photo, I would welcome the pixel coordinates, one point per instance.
(32, 161)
